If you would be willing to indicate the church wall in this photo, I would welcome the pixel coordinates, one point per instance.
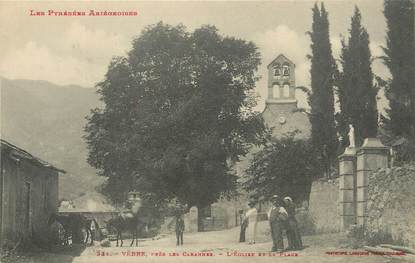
(293, 121)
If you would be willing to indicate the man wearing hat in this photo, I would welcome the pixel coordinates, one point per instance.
(277, 217)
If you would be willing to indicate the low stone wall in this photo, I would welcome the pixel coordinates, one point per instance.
(323, 205)
(391, 205)
(226, 212)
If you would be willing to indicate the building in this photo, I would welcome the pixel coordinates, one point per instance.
(281, 112)
(282, 115)
(28, 195)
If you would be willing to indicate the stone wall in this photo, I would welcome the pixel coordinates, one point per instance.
(323, 205)
(391, 205)
(190, 222)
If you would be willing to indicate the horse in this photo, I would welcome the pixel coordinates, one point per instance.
(126, 222)
(72, 225)
(86, 225)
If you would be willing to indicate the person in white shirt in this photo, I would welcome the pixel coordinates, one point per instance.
(251, 215)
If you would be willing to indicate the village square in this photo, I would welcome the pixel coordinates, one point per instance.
(219, 131)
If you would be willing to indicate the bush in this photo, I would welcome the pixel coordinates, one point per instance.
(285, 166)
(405, 153)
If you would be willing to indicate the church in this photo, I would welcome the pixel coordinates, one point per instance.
(281, 112)
(282, 115)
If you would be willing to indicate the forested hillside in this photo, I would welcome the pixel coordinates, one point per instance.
(47, 120)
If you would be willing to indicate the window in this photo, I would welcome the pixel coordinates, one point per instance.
(277, 70)
(286, 90)
(286, 70)
(276, 90)
(207, 211)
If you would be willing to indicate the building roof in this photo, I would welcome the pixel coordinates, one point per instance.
(90, 202)
(280, 56)
(25, 155)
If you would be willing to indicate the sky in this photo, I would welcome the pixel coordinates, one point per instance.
(77, 50)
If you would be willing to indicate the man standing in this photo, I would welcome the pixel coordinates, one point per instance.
(277, 217)
(179, 229)
(244, 226)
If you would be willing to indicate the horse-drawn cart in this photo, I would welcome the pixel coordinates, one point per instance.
(82, 227)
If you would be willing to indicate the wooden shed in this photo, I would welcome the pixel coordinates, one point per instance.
(28, 195)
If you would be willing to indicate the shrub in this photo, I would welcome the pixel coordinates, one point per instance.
(405, 153)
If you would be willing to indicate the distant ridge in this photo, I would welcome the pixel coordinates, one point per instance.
(47, 120)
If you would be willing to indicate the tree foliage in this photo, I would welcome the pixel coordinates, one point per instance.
(178, 111)
(321, 98)
(285, 166)
(357, 91)
(400, 60)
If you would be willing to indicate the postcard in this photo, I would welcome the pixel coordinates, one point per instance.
(207, 131)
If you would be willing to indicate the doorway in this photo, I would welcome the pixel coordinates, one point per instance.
(27, 224)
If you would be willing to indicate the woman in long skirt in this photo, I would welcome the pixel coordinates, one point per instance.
(293, 233)
(251, 215)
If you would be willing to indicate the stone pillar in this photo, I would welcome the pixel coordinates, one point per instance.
(347, 187)
(370, 157)
(191, 220)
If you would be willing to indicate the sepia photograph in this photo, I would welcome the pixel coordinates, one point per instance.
(207, 131)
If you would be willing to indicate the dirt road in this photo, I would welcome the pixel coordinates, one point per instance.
(217, 246)
(222, 246)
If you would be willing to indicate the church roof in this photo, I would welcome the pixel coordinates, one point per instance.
(279, 57)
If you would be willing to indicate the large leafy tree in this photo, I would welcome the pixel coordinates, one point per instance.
(285, 166)
(178, 112)
(400, 59)
(321, 97)
(357, 91)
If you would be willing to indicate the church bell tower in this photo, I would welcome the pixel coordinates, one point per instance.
(281, 112)
(281, 81)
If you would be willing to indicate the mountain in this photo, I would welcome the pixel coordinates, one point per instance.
(47, 120)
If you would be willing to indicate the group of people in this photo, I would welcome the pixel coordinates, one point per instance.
(282, 219)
